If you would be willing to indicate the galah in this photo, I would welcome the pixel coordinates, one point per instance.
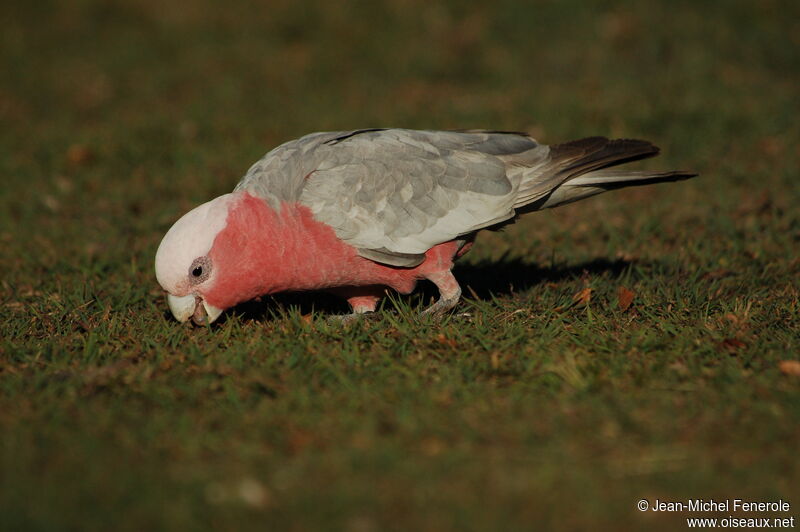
(357, 212)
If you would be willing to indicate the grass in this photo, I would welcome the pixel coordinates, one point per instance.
(532, 411)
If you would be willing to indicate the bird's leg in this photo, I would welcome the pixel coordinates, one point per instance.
(362, 299)
(449, 293)
(363, 304)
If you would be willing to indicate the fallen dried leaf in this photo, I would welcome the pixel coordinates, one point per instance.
(583, 297)
(731, 345)
(298, 440)
(442, 339)
(790, 367)
(79, 155)
(432, 446)
(625, 298)
(719, 273)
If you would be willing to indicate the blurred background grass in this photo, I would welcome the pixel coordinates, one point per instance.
(118, 116)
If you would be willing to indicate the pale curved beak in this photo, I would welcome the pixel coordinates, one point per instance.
(194, 307)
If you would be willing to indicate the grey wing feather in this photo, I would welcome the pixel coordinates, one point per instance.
(394, 194)
(280, 174)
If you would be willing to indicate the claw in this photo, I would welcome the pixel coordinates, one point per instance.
(449, 294)
(348, 319)
(440, 308)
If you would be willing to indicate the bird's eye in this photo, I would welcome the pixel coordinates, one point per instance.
(199, 270)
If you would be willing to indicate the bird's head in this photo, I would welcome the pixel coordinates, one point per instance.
(185, 265)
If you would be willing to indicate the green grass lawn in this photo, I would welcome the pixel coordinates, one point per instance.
(525, 410)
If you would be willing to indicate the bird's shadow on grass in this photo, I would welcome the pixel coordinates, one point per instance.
(483, 280)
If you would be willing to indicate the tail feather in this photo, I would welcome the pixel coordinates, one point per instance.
(583, 168)
(612, 179)
(593, 153)
(601, 181)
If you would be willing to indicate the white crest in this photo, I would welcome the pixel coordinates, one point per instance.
(191, 237)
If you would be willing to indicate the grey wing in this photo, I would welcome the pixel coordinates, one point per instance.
(394, 194)
(280, 174)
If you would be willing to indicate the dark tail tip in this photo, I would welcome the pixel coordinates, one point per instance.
(595, 153)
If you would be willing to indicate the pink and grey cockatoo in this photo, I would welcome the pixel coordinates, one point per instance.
(355, 212)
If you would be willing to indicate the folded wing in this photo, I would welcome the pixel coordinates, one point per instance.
(394, 194)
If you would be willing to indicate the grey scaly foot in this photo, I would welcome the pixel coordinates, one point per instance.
(449, 293)
(348, 319)
(441, 306)
(363, 300)
(342, 319)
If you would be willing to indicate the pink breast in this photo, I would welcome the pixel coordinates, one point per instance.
(263, 251)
